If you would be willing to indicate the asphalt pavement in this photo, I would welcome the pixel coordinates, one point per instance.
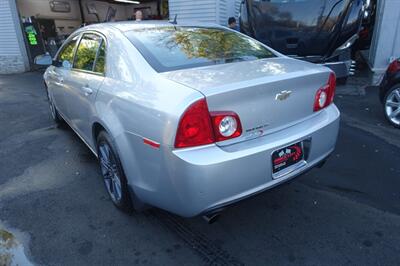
(53, 200)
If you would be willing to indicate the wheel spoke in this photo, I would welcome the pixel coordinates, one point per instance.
(104, 153)
(395, 113)
(393, 104)
(397, 94)
(110, 172)
(117, 188)
(114, 189)
(107, 175)
(104, 163)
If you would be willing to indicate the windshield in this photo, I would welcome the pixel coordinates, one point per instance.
(171, 48)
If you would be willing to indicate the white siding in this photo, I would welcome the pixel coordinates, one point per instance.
(187, 10)
(237, 8)
(232, 7)
(212, 11)
(8, 36)
(385, 44)
(13, 57)
(223, 12)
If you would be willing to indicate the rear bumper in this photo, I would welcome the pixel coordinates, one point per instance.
(200, 180)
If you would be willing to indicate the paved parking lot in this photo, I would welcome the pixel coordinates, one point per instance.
(51, 192)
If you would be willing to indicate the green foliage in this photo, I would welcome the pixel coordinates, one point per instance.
(100, 63)
(86, 53)
(208, 43)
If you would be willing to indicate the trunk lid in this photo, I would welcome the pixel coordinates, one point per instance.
(250, 89)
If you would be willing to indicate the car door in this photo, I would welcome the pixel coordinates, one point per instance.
(85, 79)
(60, 72)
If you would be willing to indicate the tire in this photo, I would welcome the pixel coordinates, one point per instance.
(55, 115)
(113, 174)
(391, 105)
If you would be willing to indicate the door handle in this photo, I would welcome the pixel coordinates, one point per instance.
(87, 91)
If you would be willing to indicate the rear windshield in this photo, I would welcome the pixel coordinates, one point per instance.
(172, 48)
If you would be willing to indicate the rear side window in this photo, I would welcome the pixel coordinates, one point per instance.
(171, 48)
(100, 60)
(67, 53)
(87, 51)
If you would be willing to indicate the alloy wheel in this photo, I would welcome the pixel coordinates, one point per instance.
(110, 172)
(392, 106)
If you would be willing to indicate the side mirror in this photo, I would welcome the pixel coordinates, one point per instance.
(44, 60)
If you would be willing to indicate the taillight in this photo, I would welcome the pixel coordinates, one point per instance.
(195, 126)
(325, 95)
(226, 125)
(200, 127)
(394, 66)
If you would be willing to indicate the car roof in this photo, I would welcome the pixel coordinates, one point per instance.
(135, 25)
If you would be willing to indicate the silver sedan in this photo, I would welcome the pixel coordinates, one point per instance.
(190, 118)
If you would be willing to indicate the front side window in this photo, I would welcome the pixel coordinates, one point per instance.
(66, 56)
(171, 48)
(87, 51)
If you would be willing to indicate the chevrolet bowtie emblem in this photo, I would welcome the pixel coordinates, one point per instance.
(283, 95)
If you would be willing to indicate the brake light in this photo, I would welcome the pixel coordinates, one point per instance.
(394, 66)
(325, 95)
(195, 126)
(200, 127)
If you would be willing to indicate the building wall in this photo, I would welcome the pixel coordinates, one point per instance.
(385, 45)
(222, 10)
(209, 11)
(13, 57)
(237, 8)
(66, 23)
(124, 11)
(187, 10)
